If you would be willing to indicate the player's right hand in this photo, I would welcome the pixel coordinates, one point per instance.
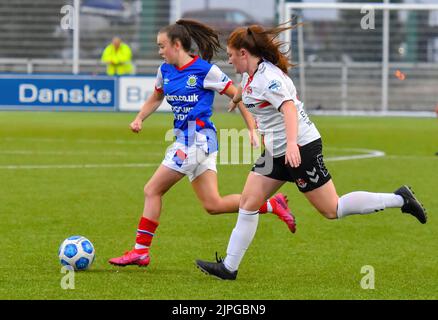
(254, 138)
(292, 156)
(136, 125)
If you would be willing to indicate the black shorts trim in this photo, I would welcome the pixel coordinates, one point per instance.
(310, 175)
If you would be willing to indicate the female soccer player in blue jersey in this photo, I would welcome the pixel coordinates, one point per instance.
(293, 148)
(188, 83)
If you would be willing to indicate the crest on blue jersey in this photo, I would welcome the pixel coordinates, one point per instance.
(191, 81)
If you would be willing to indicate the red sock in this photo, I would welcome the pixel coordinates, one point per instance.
(264, 208)
(145, 233)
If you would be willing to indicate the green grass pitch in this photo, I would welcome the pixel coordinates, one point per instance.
(43, 201)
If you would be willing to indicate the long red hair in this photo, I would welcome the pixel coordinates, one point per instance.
(261, 43)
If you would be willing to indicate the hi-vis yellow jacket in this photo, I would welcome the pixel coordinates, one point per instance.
(118, 62)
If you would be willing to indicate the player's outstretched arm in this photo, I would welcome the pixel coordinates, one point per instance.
(236, 97)
(250, 124)
(236, 101)
(150, 105)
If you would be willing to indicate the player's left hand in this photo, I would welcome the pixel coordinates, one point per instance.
(231, 106)
(292, 156)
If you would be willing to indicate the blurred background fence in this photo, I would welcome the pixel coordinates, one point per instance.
(341, 66)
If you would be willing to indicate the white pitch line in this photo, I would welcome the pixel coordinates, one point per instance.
(92, 141)
(368, 154)
(79, 166)
(104, 153)
(60, 153)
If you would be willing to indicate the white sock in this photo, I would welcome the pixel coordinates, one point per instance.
(361, 202)
(269, 206)
(241, 238)
(140, 246)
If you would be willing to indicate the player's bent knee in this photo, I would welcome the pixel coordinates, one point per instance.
(329, 214)
(250, 202)
(212, 211)
(212, 207)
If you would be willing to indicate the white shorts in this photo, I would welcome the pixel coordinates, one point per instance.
(191, 161)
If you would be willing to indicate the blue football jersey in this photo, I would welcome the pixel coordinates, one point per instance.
(190, 91)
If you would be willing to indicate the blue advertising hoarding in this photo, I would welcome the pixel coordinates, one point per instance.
(42, 92)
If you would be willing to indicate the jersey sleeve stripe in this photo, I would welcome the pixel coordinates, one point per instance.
(226, 87)
(264, 105)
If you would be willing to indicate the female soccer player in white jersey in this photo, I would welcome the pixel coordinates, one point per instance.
(293, 148)
(188, 83)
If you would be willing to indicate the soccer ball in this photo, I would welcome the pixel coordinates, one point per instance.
(77, 252)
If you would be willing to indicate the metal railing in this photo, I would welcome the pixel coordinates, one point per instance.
(424, 89)
(88, 66)
(342, 86)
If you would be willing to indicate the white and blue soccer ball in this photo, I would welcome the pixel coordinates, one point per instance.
(77, 252)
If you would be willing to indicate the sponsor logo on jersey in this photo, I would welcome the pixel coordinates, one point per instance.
(248, 90)
(178, 109)
(249, 106)
(274, 85)
(190, 98)
(191, 81)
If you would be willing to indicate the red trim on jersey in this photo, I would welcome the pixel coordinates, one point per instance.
(248, 82)
(159, 89)
(226, 87)
(264, 105)
(200, 123)
(187, 64)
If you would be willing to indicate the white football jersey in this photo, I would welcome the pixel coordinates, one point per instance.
(263, 94)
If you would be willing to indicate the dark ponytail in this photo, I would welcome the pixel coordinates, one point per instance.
(205, 37)
(262, 43)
